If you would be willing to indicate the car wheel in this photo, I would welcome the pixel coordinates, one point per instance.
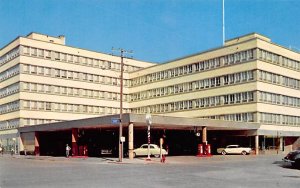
(297, 164)
(244, 153)
(223, 152)
(156, 155)
(134, 154)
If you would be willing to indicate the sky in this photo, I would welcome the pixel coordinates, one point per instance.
(155, 30)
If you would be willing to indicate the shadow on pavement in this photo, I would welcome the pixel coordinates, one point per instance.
(284, 165)
(291, 176)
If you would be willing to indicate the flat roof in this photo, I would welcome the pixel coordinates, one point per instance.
(139, 121)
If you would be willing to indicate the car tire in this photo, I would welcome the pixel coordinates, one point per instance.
(223, 152)
(156, 155)
(244, 153)
(134, 154)
(297, 164)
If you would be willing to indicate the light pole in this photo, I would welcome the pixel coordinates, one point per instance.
(149, 122)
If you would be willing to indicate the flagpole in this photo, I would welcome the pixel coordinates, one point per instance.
(223, 15)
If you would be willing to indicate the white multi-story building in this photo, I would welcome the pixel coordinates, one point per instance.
(42, 80)
(249, 79)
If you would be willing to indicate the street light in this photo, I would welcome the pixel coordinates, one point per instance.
(149, 122)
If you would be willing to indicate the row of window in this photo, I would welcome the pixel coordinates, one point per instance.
(70, 58)
(70, 91)
(236, 98)
(72, 75)
(195, 85)
(9, 124)
(34, 121)
(9, 107)
(279, 119)
(9, 56)
(279, 99)
(245, 117)
(290, 63)
(9, 73)
(274, 58)
(279, 79)
(268, 56)
(237, 57)
(15, 123)
(71, 108)
(9, 90)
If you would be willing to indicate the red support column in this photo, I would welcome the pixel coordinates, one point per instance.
(36, 144)
(74, 142)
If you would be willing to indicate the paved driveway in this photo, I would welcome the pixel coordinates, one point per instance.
(188, 171)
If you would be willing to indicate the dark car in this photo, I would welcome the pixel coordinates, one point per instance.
(293, 158)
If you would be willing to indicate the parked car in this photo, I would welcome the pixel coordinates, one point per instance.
(234, 149)
(293, 158)
(154, 150)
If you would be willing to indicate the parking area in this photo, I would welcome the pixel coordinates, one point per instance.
(178, 171)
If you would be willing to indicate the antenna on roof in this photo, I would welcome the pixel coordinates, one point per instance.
(223, 15)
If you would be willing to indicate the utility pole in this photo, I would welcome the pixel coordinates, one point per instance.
(122, 52)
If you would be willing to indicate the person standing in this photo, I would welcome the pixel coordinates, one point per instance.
(12, 151)
(67, 150)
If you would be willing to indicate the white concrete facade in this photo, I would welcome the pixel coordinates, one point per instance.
(249, 79)
(43, 81)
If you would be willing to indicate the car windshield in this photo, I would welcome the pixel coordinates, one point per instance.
(232, 146)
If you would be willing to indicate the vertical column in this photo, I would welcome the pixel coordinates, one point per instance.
(256, 144)
(21, 144)
(204, 135)
(36, 144)
(130, 141)
(281, 144)
(74, 142)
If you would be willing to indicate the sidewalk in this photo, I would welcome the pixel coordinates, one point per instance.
(169, 160)
(107, 160)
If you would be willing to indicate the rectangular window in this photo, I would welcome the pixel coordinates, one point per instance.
(33, 69)
(64, 57)
(70, 57)
(40, 70)
(48, 106)
(33, 51)
(40, 52)
(48, 54)
(47, 71)
(57, 55)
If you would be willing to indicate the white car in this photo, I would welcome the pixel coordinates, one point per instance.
(154, 150)
(234, 149)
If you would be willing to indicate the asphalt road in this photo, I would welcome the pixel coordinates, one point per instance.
(218, 171)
